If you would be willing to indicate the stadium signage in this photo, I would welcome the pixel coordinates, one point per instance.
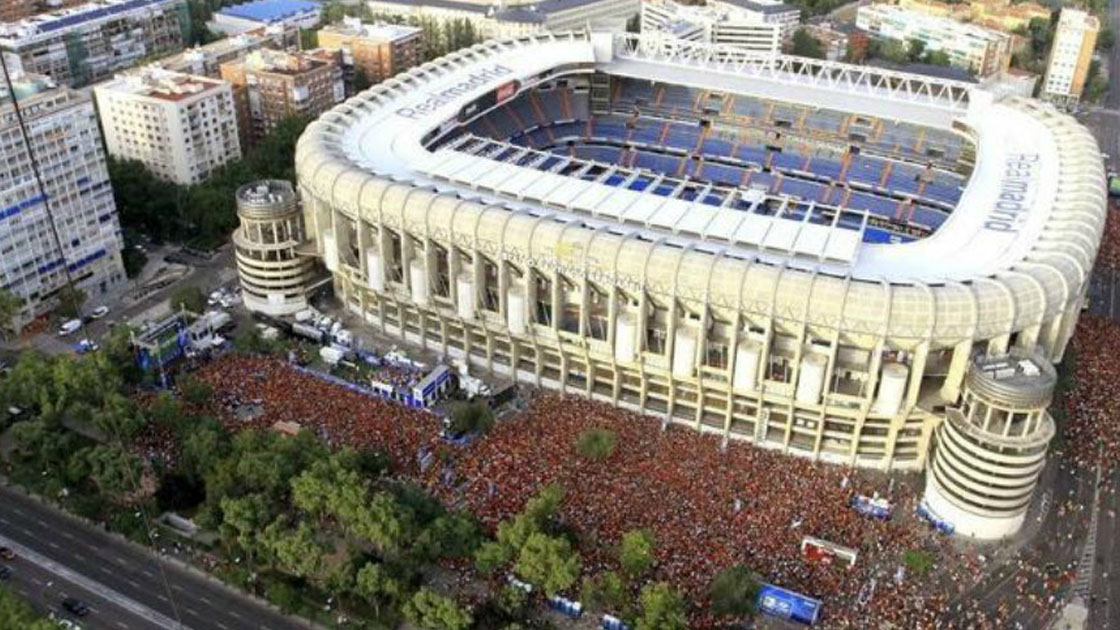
(1013, 201)
(436, 100)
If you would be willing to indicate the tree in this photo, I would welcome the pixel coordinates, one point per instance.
(605, 592)
(662, 608)
(805, 45)
(916, 49)
(308, 38)
(113, 470)
(433, 611)
(15, 613)
(635, 553)
(70, 300)
(597, 444)
(548, 562)
(733, 592)
(190, 298)
(10, 305)
(1106, 39)
(294, 551)
(471, 417)
(894, 50)
(374, 584)
(938, 58)
(384, 523)
(449, 536)
(491, 556)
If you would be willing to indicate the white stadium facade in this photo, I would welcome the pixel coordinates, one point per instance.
(846, 263)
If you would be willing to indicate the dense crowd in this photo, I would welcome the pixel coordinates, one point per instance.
(711, 505)
(341, 416)
(1091, 405)
(1108, 257)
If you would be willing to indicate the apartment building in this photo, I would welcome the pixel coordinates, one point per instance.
(249, 16)
(785, 16)
(1001, 15)
(269, 85)
(377, 51)
(15, 10)
(206, 60)
(1070, 55)
(715, 23)
(983, 52)
(78, 199)
(91, 42)
(182, 127)
(513, 18)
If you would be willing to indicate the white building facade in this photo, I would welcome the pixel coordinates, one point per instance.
(714, 24)
(1070, 56)
(91, 42)
(981, 51)
(513, 19)
(67, 147)
(182, 127)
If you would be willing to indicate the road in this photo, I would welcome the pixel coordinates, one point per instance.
(1104, 605)
(139, 584)
(46, 590)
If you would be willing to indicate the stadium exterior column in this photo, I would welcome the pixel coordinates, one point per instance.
(958, 365)
(917, 371)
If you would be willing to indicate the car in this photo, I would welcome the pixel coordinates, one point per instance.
(68, 624)
(69, 327)
(99, 312)
(75, 606)
(5, 573)
(86, 346)
(6, 553)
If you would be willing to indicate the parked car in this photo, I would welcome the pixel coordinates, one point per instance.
(69, 327)
(5, 573)
(75, 606)
(6, 553)
(99, 312)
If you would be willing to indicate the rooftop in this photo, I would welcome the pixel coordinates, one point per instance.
(266, 60)
(766, 7)
(532, 13)
(26, 85)
(64, 18)
(268, 11)
(162, 84)
(381, 31)
(1074, 18)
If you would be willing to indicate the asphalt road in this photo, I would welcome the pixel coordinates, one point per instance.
(46, 590)
(143, 590)
(1104, 605)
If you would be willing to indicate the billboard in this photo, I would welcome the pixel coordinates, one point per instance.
(489, 100)
(785, 604)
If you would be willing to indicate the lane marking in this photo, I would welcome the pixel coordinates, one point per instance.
(97, 588)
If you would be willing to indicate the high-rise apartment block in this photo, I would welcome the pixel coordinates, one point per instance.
(207, 60)
(715, 23)
(982, 51)
(270, 85)
(77, 199)
(1070, 55)
(377, 51)
(91, 42)
(182, 127)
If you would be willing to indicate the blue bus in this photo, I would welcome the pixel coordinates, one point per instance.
(785, 604)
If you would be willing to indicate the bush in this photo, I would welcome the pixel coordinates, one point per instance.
(597, 444)
(284, 595)
(733, 592)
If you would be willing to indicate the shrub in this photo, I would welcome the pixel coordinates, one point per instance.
(597, 444)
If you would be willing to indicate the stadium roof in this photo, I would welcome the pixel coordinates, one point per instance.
(534, 13)
(766, 8)
(1032, 212)
(268, 11)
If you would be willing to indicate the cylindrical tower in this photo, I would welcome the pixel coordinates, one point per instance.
(990, 451)
(273, 275)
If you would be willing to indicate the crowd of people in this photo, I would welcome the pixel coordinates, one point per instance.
(278, 392)
(711, 505)
(1091, 405)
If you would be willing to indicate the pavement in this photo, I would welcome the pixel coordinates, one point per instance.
(128, 587)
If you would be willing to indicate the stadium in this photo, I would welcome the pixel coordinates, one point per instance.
(847, 263)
